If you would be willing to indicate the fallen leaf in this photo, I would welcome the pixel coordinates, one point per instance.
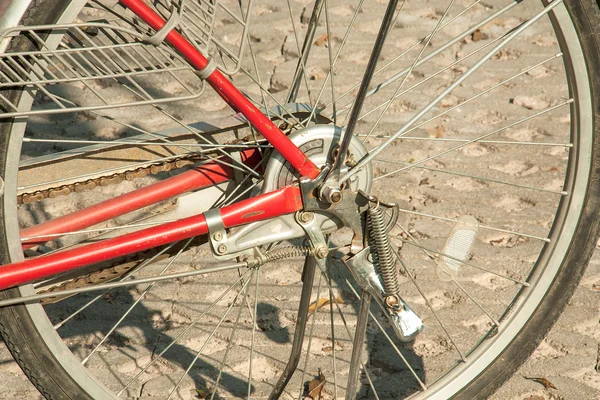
(320, 303)
(201, 394)
(424, 182)
(316, 386)
(478, 35)
(322, 41)
(543, 381)
(596, 287)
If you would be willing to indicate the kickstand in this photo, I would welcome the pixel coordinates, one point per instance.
(307, 278)
(357, 345)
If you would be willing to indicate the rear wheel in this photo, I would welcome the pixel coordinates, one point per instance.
(513, 146)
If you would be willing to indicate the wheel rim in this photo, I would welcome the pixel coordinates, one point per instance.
(582, 162)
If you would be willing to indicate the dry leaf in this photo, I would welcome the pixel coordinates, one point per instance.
(201, 394)
(316, 386)
(596, 286)
(322, 41)
(547, 384)
(320, 303)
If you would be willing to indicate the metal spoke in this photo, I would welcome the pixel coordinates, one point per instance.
(422, 161)
(428, 56)
(157, 144)
(310, 334)
(254, 326)
(410, 70)
(508, 142)
(199, 352)
(430, 306)
(137, 269)
(105, 286)
(382, 330)
(337, 55)
(520, 282)
(229, 345)
(350, 335)
(450, 88)
(333, 344)
(302, 54)
(140, 298)
(463, 103)
(491, 228)
(494, 321)
(480, 178)
(190, 326)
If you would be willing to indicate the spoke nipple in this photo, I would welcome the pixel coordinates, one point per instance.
(222, 249)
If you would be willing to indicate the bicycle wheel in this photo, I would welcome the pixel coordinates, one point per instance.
(513, 145)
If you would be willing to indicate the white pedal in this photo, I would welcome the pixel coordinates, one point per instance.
(457, 248)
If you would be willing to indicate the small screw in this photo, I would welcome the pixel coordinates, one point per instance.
(321, 252)
(218, 236)
(306, 217)
(221, 249)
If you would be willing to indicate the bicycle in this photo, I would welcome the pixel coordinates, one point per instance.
(367, 153)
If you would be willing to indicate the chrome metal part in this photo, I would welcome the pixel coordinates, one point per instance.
(1, 186)
(318, 143)
(317, 240)
(405, 322)
(217, 235)
(381, 247)
(332, 195)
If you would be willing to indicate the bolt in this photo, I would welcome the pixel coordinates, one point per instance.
(218, 236)
(332, 195)
(222, 249)
(321, 251)
(306, 217)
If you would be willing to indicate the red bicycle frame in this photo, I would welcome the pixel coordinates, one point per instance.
(283, 201)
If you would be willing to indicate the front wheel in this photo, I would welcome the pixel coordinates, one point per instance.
(514, 146)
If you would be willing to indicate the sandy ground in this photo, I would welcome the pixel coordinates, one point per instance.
(569, 356)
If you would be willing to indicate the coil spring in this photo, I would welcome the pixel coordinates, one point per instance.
(381, 248)
(287, 252)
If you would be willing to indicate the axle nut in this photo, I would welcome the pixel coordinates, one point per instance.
(332, 195)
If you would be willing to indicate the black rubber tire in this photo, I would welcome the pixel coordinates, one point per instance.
(16, 326)
(586, 17)
(38, 363)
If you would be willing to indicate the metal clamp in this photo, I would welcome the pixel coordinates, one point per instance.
(207, 71)
(159, 37)
(216, 231)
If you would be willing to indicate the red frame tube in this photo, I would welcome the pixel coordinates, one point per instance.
(266, 206)
(270, 205)
(228, 92)
(202, 176)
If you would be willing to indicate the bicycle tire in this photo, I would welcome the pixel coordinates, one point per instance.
(41, 363)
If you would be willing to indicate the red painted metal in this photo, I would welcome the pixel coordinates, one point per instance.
(205, 175)
(229, 92)
(270, 205)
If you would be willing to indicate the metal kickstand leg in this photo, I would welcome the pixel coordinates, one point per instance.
(357, 345)
(307, 278)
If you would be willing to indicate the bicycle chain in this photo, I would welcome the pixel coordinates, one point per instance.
(89, 184)
(120, 267)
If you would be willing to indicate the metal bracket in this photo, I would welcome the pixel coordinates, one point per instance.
(217, 235)
(309, 223)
